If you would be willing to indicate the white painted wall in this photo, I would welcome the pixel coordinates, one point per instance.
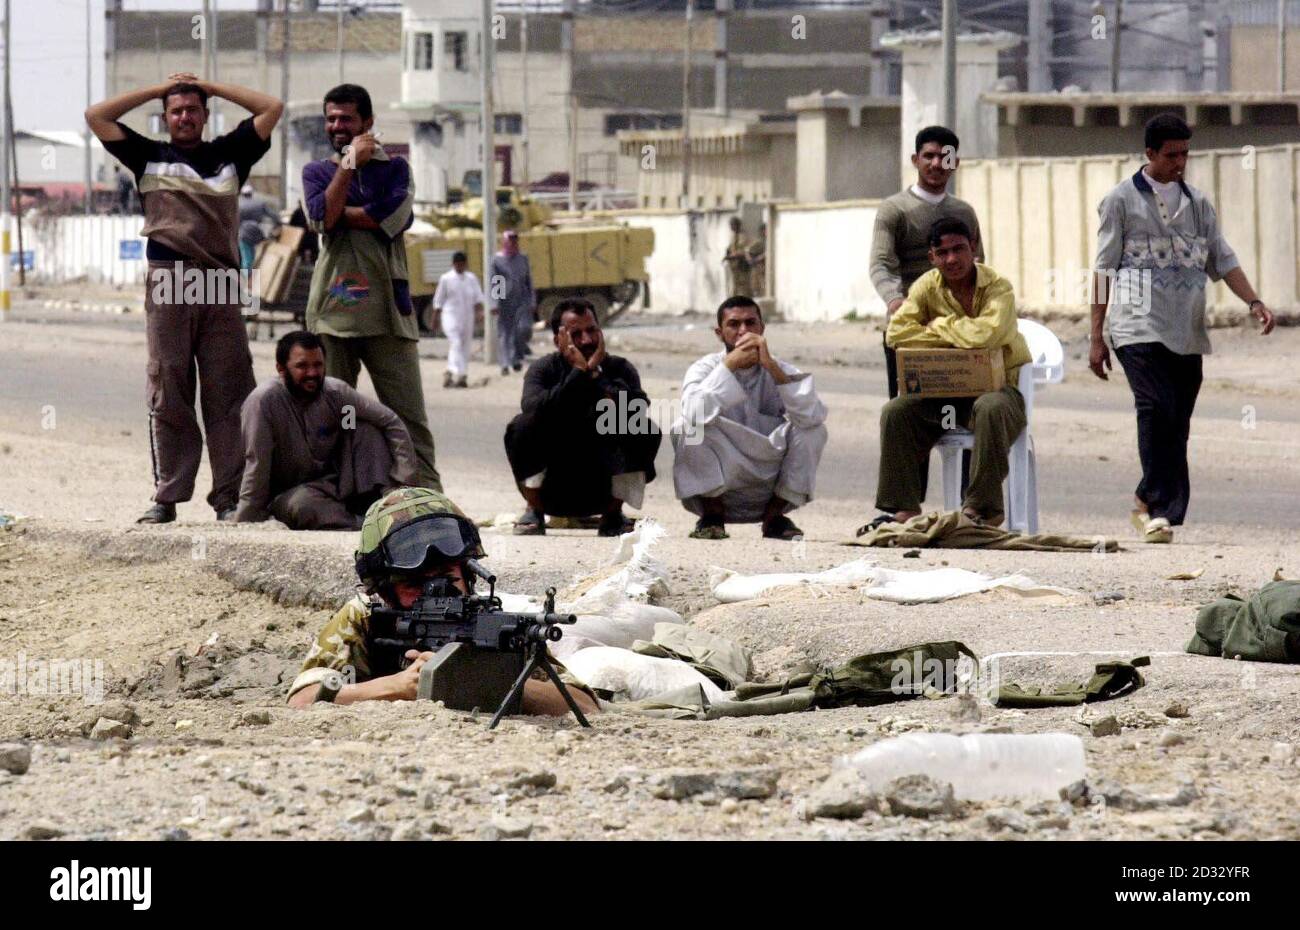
(820, 260)
(83, 248)
(678, 282)
(820, 255)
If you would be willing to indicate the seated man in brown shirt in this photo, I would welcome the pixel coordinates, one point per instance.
(316, 452)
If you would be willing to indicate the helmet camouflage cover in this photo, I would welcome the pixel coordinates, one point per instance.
(402, 506)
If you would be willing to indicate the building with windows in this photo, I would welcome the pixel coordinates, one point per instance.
(571, 76)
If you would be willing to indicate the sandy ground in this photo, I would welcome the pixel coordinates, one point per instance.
(198, 627)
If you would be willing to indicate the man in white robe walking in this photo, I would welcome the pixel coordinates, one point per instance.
(751, 433)
(458, 297)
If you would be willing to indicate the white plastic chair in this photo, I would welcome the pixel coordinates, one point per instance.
(1047, 366)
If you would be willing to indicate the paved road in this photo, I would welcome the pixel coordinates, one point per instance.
(1084, 429)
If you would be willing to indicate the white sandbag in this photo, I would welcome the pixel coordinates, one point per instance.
(615, 610)
(634, 677)
(570, 643)
(883, 584)
(730, 587)
(641, 577)
(624, 623)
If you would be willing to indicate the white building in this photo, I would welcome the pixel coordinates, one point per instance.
(442, 58)
(58, 157)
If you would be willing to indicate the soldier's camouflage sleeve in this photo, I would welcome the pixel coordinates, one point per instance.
(340, 648)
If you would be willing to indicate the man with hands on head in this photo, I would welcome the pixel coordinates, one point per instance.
(189, 191)
(583, 442)
(751, 433)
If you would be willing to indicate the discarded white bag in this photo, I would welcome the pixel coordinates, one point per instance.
(941, 584)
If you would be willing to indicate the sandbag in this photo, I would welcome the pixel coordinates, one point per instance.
(627, 676)
(897, 586)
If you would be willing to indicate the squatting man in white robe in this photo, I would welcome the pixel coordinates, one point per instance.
(751, 433)
(458, 297)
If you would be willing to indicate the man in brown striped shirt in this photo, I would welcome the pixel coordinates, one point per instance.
(189, 189)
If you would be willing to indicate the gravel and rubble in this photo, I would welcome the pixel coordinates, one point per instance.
(187, 636)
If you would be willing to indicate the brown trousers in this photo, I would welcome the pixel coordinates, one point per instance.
(394, 367)
(185, 338)
(337, 501)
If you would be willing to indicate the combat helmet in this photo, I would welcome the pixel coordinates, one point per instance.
(406, 528)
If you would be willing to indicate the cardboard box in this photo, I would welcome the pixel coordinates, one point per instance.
(950, 372)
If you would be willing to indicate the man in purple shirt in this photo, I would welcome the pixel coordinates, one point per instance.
(359, 201)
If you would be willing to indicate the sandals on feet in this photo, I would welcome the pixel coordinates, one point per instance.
(781, 527)
(875, 524)
(1153, 529)
(615, 526)
(709, 528)
(531, 523)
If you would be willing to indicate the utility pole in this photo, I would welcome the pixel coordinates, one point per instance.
(4, 183)
(879, 60)
(18, 213)
(338, 37)
(85, 132)
(1040, 47)
(1281, 46)
(488, 184)
(1116, 28)
(686, 109)
(213, 48)
(205, 48)
(949, 49)
(566, 27)
(523, 130)
(721, 58)
(284, 95)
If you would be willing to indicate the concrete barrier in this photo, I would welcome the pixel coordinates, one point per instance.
(1039, 218)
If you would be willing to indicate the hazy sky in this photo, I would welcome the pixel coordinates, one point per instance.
(48, 76)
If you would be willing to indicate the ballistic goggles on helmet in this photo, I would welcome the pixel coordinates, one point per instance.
(435, 537)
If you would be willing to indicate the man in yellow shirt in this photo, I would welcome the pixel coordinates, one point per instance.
(964, 305)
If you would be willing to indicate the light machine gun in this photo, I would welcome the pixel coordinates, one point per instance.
(482, 654)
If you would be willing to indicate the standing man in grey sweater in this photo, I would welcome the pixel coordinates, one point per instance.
(1158, 244)
(900, 247)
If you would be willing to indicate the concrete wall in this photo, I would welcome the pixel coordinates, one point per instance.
(752, 168)
(1254, 58)
(1036, 140)
(820, 253)
(1039, 218)
(678, 282)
